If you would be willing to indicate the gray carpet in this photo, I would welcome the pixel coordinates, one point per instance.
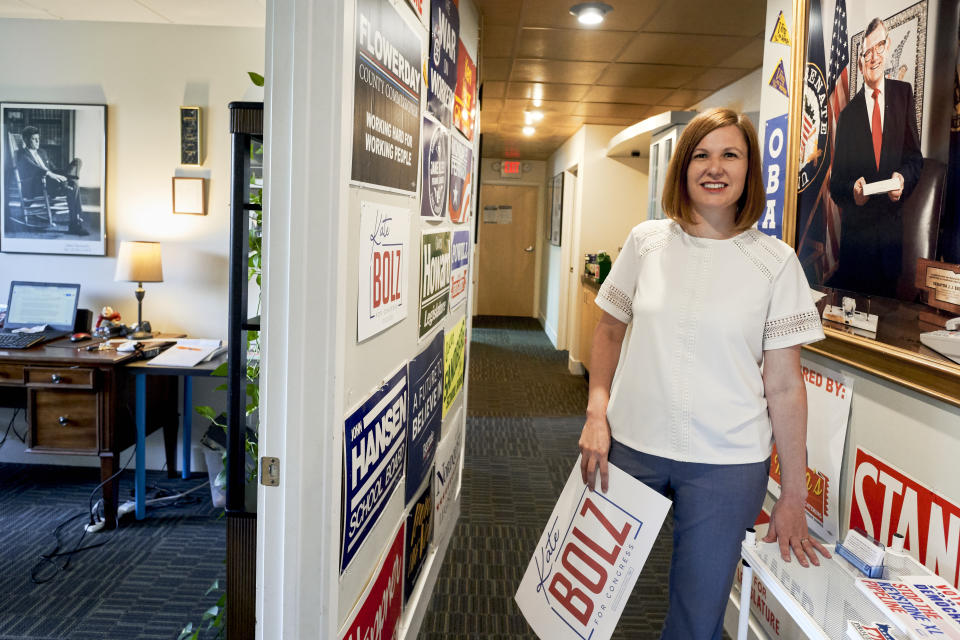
(524, 418)
(145, 583)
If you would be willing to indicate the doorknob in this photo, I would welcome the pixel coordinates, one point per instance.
(529, 249)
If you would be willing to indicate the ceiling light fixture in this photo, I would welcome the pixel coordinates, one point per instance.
(590, 13)
(529, 131)
(533, 116)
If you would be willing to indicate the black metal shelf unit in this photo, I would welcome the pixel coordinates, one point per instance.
(246, 182)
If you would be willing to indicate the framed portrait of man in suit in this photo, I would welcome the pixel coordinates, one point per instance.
(53, 178)
(871, 105)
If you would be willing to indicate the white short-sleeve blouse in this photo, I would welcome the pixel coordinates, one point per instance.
(689, 384)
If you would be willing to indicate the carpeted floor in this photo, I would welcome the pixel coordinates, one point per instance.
(525, 412)
(145, 582)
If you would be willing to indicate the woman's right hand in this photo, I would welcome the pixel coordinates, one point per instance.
(594, 448)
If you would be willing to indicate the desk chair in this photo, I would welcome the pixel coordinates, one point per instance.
(921, 225)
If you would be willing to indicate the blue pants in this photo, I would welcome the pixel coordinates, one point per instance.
(713, 504)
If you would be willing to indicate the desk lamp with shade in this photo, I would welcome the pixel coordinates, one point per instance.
(139, 262)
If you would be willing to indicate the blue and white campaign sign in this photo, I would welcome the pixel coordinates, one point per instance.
(774, 170)
(384, 257)
(442, 76)
(459, 262)
(589, 557)
(436, 162)
(374, 439)
(425, 373)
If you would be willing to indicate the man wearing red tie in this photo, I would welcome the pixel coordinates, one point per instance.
(876, 140)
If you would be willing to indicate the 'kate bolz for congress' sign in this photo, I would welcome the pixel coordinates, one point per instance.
(590, 556)
(384, 262)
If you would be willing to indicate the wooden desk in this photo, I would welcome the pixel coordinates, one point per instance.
(142, 370)
(79, 402)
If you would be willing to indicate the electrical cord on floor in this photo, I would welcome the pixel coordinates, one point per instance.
(10, 428)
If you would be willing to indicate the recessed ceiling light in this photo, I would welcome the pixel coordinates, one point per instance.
(590, 13)
(533, 116)
(529, 131)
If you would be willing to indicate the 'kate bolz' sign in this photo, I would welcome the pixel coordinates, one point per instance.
(374, 451)
(590, 556)
(384, 257)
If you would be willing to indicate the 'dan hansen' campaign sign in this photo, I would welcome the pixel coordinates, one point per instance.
(374, 439)
(590, 556)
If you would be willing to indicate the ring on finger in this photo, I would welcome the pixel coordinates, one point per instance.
(802, 540)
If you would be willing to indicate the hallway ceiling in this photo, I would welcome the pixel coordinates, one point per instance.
(647, 57)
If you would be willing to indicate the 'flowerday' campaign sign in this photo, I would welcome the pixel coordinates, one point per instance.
(384, 257)
(377, 614)
(374, 439)
(589, 557)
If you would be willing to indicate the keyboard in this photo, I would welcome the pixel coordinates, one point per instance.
(20, 340)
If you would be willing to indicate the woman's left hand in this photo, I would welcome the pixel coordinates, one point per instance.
(788, 526)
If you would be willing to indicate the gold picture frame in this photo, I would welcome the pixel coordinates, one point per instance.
(190, 196)
(191, 137)
(918, 369)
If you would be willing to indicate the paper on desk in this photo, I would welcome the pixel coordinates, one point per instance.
(187, 352)
(881, 186)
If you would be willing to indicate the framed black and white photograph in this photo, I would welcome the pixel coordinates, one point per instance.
(54, 167)
(556, 208)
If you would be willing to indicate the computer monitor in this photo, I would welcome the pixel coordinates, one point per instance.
(34, 303)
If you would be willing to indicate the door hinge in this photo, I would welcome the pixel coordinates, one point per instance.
(269, 471)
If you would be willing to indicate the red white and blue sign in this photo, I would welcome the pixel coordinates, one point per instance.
(425, 373)
(459, 185)
(459, 263)
(374, 450)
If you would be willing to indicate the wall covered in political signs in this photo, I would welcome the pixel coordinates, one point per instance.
(407, 281)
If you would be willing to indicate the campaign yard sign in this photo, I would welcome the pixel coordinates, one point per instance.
(425, 375)
(384, 261)
(420, 8)
(454, 362)
(377, 613)
(419, 535)
(459, 183)
(589, 557)
(464, 100)
(436, 168)
(386, 98)
(829, 393)
(887, 501)
(374, 439)
(434, 279)
(460, 255)
(444, 43)
(446, 476)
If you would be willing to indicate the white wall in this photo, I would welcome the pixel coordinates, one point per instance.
(608, 199)
(143, 73)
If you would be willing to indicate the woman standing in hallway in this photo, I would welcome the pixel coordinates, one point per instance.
(711, 371)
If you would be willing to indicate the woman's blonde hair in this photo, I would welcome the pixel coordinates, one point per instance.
(676, 199)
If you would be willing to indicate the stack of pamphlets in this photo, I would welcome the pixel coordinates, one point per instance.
(188, 352)
(920, 606)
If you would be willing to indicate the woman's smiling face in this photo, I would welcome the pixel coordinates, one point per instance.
(717, 171)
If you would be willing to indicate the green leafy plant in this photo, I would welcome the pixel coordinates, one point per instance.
(212, 618)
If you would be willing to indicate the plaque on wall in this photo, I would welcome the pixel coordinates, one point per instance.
(190, 136)
(940, 284)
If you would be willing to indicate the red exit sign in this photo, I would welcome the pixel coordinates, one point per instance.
(510, 169)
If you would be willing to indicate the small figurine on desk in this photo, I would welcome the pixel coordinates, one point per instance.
(109, 324)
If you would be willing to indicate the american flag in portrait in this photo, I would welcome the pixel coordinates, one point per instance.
(838, 96)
